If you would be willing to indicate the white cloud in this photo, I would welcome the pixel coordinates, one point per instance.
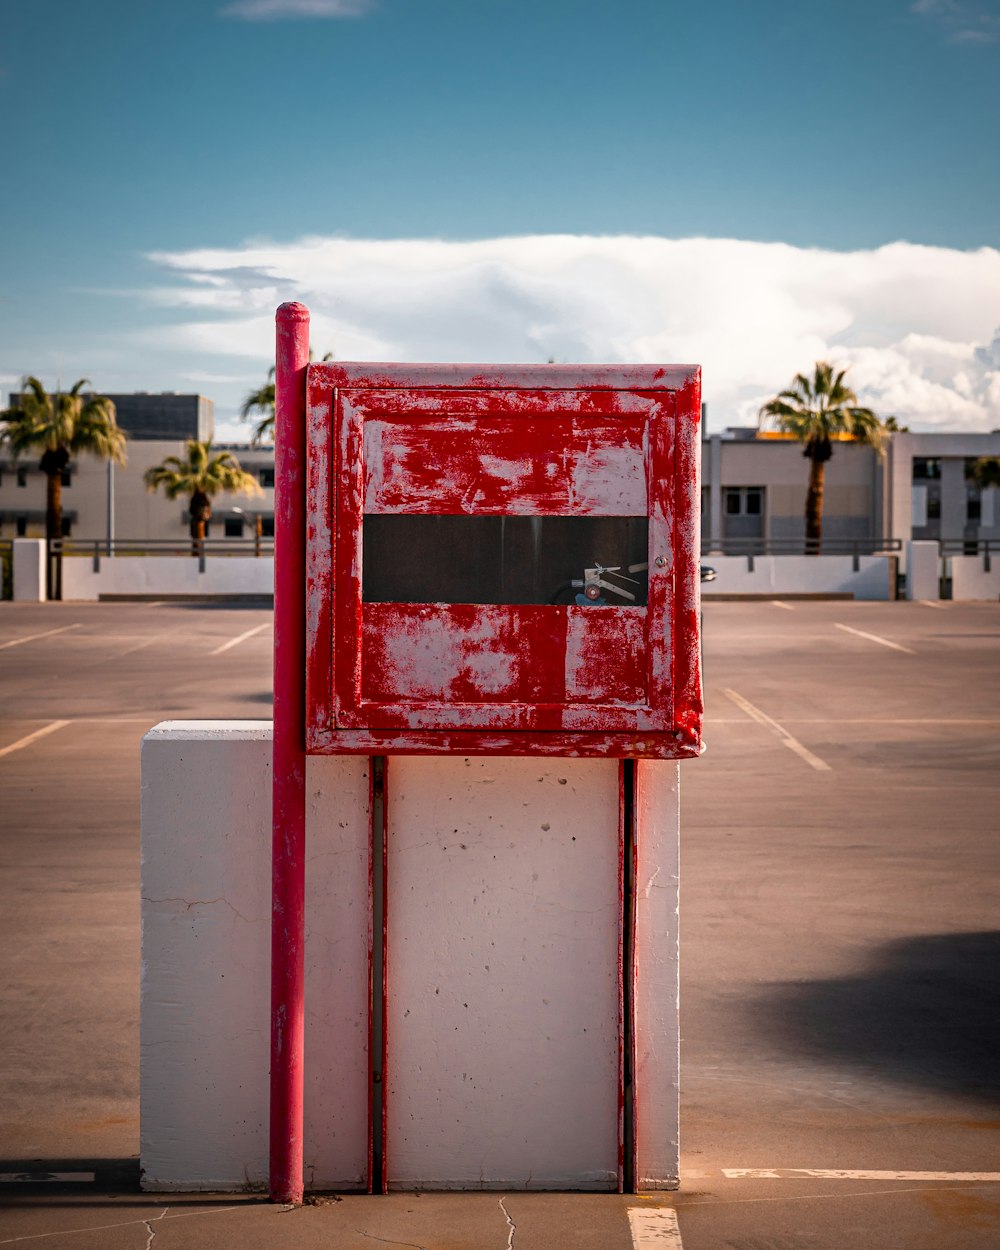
(966, 21)
(917, 325)
(279, 10)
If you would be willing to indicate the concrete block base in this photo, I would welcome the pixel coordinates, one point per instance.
(503, 1009)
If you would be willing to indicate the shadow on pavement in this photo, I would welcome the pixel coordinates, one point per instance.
(926, 1011)
(37, 1182)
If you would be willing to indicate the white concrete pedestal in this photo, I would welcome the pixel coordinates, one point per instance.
(503, 1012)
(28, 570)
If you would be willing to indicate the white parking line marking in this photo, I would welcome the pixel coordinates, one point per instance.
(31, 637)
(874, 638)
(930, 603)
(793, 744)
(240, 638)
(654, 1226)
(26, 741)
(778, 603)
(851, 1174)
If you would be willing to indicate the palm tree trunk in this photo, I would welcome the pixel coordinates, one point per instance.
(200, 510)
(53, 505)
(197, 535)
(814, 507)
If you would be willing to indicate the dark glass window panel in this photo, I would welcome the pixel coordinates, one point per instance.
(233, 526)
(499, 559)
(732, 498)
(926, 468)
(754, 500)
(934, 507)
(266, 477)
(267, 527)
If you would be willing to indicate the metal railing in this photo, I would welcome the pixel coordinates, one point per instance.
(98, 549)
(984, 547)
(751, 547)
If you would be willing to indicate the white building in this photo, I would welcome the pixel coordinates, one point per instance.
(101, 500)
(754, 490)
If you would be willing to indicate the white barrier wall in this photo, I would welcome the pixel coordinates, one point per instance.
(923, 570)
(28, 569)
(789, 575)
(167, 575)
(503, 912)
(970, 579)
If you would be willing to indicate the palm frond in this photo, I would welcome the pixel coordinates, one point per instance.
(201, 472)
(986, 472)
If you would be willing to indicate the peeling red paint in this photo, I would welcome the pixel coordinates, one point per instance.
(503, 440)
(288, 848)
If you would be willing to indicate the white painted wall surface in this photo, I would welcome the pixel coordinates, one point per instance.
(503, 915)
(923, 570)
(657, 985)
(969, 579)
(28, 569)
(788, 575)
(167, 575)
(205, 1002)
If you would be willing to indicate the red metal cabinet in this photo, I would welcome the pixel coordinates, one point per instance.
(444, 503)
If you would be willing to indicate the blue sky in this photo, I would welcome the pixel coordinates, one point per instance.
(165, 163)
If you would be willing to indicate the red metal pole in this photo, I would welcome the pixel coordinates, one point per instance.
(289, 814)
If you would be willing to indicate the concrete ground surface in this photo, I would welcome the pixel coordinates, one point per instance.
(840, 940)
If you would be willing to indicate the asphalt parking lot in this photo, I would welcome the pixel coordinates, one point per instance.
(840, 938)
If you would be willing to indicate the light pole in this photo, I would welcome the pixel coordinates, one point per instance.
(111, 507)
(258, 526)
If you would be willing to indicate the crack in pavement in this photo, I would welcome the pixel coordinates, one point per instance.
(510, 1224)
(150, 1229)
(97, 1228)
(389, 1241)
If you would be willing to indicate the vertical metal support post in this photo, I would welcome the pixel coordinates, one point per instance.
(289, 816)
(627, 1163)
(377, 978)
(111, 507)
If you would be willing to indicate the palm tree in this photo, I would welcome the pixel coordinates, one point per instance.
(60, 426)
(815, 410)
(262, 400)
(200, 475)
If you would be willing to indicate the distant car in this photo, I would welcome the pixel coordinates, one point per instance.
(707, 573)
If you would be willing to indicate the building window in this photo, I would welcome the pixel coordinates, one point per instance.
(267, 527)
(743, 500)
(933, 507)
(233, 526)
(21, 525)
(926, 469)
(266, 477)
(22, 477)
(973, 506)
(67, 477)
(67, 527)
